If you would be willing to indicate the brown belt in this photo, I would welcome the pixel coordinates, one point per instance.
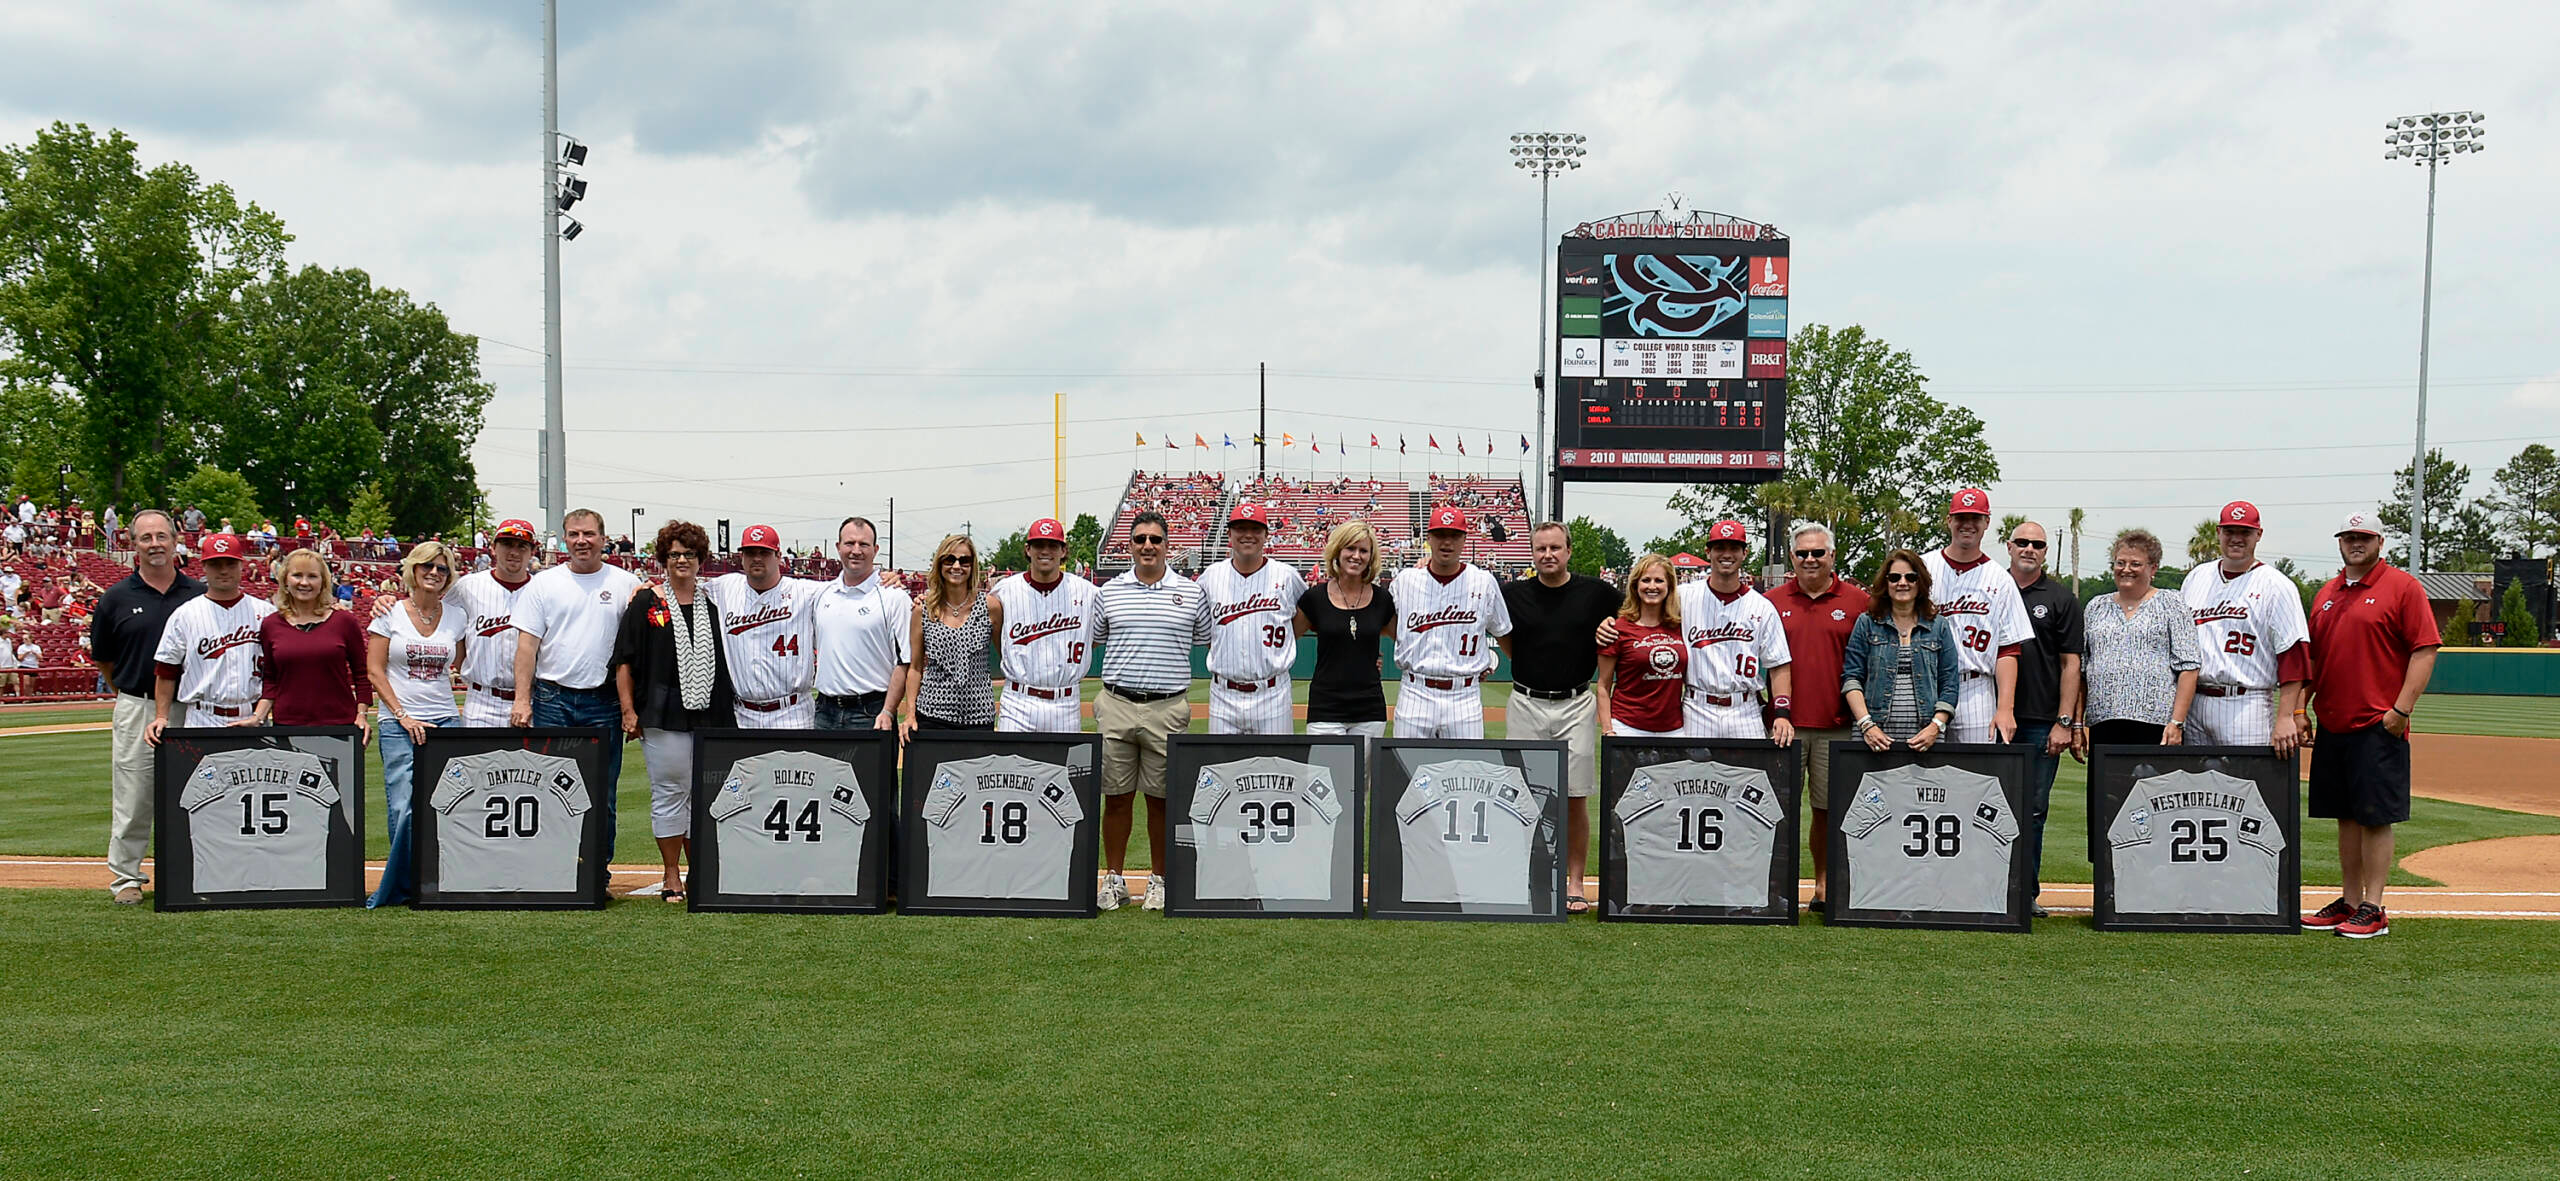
(223, 711)
(1709, 698)
(494, 691)
(766, 707)
(1039, 694)
(1252, 686)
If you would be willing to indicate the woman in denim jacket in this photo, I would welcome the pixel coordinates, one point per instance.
(1899, 673)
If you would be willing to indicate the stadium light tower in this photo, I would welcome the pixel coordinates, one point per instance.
(558, 194)
(1543, 154)
(2428, 140)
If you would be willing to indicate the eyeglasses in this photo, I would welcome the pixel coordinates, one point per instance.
(2026, 543)
(1811, 554)
(439, 568)
(1903, 576)
(957, 560)
(1146, 541)
(682, 555)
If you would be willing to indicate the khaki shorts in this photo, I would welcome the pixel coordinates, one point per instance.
(1134, 735)
(1576, 720)
(1817, 765)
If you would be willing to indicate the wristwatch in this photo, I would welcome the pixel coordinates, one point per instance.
(2064, 721)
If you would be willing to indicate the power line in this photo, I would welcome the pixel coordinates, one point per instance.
(855, 430)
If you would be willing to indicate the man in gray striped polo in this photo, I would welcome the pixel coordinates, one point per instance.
(1147, 622)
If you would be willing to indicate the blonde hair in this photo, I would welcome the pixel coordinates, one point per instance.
(424, 553)
(284, 588)
(935, 596)
(1341, 538)
(1632, 607)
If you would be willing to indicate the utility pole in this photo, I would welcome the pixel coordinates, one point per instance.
(1544, 154)
(1262, 415)
(892, 547)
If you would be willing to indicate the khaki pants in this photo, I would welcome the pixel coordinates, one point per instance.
(1134, 738)
(1575, 720)
(130, 781)
(1817, 765)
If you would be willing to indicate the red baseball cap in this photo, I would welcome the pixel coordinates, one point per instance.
(2239, 514)
(1248, 514)
(1447, 518)
(1047, 529)
(515, 527)
(1969, 502)
(760, 537)
(224, 545)
(1728, 531)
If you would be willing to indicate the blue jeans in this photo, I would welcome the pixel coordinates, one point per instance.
(556, 705)
(858, 714)
(2041, 768)
(399, 872)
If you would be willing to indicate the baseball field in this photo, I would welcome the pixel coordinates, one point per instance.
(647, 1041)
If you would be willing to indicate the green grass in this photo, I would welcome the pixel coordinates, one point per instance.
(648, 1042)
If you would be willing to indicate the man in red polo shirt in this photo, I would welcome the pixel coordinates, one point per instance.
(1816, 609)
(2373, 646)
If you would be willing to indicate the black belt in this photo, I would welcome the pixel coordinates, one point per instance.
(1552, 694)
(1969, 674)
(557, 687)
(1709, 698)
(2226, 690)
(850, 700)
(1142, 697)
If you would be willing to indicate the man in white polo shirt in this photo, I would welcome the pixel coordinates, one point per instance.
(565, 623)
(862, 637)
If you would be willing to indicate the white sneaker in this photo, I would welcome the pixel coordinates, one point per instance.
(1115, 891)
(1155, 891)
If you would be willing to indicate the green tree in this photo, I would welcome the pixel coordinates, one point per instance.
(2205, 544)
(1084, 540)
(220, 494)
(2521, 633)
(2307, 585)
(1869, 452)
(113, 286)
(2525, 499)
(1595, 547)
(42, 437)
(1689, 540)
(2009, 523)
(366, 510)
(2445, 483)
(2457, 626)
(2468, 540)
(1012, 554)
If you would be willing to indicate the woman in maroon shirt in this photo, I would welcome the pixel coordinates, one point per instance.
(313, 654)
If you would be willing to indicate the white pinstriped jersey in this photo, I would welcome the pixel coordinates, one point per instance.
(768, 637)
(2244, 623)
(1048, 636)
(1733, 643)
(1442, 628)
(1981, 603)
(216, 649)
(1248, 617)
(489, 642)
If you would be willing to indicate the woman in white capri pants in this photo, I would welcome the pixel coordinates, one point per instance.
(667, 668)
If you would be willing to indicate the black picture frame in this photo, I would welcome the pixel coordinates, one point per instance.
(873, 756)
(583, 745)
(1344, 756)
(1780, 766)
(2114, 773)
(1393, 764)
(1851, 761)
(175, 871)
(928, 751)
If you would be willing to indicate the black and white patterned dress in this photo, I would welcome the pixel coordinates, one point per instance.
(956, 689)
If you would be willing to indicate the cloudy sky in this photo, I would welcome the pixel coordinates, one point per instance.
(836, 253)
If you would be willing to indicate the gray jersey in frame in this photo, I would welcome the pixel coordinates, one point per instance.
(259, 819)
(1464, 829)
(509, 822)
(2196, 842)
(1001, 826)
(790, 822)
(1263, 828)
(1929, 839)
(1698, 834)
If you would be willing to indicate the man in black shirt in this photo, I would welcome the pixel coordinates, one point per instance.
(124, 636)
(2048, 693)
(1552, 660)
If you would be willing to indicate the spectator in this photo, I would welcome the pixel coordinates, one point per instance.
(193, 519)
(31, 661)
(9, 686)
(2373, 648)
(124, 641)
(113, 525)
(10, 582)
(14, 535)
(315, 654)
(1818, 610)
(671, 679)
(951, 691)
(410, 658)
(1900, 666)
(2141, 668)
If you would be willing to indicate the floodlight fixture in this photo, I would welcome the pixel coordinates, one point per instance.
(571, 151)
(570, 232)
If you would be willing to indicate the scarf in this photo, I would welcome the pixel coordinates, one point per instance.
(697, 664)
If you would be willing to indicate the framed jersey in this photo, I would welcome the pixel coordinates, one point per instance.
(1466, 830)
(2195, 838)
(1927, 838)
(268, 817)
(1000, 824)
(793, 820)
(1698, 831)
(511, 820)
(1264, 826)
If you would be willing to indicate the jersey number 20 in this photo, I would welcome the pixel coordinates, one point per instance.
(520, 816)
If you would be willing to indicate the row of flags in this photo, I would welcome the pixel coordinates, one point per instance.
(1317, 444)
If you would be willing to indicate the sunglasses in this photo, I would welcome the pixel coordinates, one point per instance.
(957, 560)
(439, 568)
(1811, 554)
(1146, 540)
(1904, 576)
(2025, 543)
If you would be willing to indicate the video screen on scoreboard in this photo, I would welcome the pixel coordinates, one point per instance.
(1672, 359)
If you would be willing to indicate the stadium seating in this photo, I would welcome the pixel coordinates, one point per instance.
(1195, 510)
(1491, 501)
(1304, 512)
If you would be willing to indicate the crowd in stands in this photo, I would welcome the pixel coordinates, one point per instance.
(1193, 507)
(1304, 511)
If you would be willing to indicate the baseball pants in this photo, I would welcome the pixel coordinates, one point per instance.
(1134, 738)
(129, 781)
(1977, 699)
(801, 714)
(1575, 720)
(670, 757)
(1623, 730)
(1424, 712)
(1701, 718)
(2246, 719)
(1263, 711)
(1021, 713)
(1363, 729)
(483, 710)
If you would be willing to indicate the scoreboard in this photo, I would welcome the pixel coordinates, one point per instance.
(1671, 350)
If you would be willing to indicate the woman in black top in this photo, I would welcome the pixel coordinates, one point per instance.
(1349, 613)
(667, 668)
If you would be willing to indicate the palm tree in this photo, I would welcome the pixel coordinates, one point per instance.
(2204, 543)
(2077, 516)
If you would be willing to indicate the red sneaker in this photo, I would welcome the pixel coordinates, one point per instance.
(2368, 921)
(2329, 916)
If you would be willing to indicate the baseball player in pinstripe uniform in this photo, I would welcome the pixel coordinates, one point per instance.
(1044, 621)
(488, 598)
(208, 655)
(1981, 603)
(1247, 601)
(2255, 643)
(768, 635)
(1449, 613)
(1735, 637)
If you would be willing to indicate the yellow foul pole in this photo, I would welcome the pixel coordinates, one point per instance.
(1058, 458)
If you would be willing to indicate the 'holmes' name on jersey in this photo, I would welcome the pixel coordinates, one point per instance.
(239, 637)
(1444, 617)
(1258, 604)
(1026, 631)
(758, 618)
